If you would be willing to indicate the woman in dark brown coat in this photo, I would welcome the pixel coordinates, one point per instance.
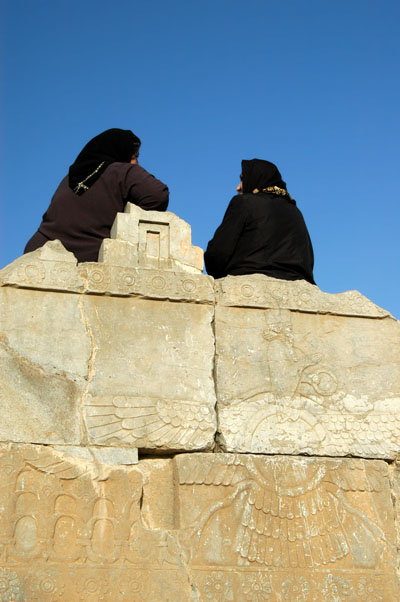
(104, 177)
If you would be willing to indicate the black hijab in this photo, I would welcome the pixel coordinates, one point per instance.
(260, 174)
(111, 146)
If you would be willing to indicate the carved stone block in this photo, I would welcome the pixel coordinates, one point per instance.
(44, 353)
(72, 530)
(102, 278)
(292, 382)
(50, 267)
(151, 239)
(280, 528)
(265, 292)
(151, 382)
(197, 527)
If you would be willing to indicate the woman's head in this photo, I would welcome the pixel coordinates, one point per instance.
(111, 146)
(259, 174)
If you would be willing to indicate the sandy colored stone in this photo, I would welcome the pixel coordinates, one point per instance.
(161, 240)
(258, 290)
(114, 456)
(287, 528)
(244, 528)
(151, 382)
(46, 328)
(71, 530)
(102, 278)
(44, 355)
(292, 382)
(36, 406)
(50, 267)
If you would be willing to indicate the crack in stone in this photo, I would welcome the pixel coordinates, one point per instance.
(91, 368)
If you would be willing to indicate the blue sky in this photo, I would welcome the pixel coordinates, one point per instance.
(311, 85)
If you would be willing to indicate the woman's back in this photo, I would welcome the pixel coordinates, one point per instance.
(82, 213)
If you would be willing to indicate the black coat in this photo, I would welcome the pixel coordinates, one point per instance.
(261, 233)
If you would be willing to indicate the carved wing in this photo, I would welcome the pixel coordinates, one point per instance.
(367, 434)
(211, 469)
(290, 531)
(177, 424)
(63, 469)
(353, 476)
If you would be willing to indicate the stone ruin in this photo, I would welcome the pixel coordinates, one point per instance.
(168, 437)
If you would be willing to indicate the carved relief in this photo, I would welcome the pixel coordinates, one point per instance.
(249, 528)
(302, 403)
(263, 291)
(150, 423)
(295, 529)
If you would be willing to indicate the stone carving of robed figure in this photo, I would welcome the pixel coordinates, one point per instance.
(263, 231)
(104, 177)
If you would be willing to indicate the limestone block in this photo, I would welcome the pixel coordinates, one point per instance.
(34, 405)
(47, 329)
(262, 291)
(114, 456)
(50, 267)
(101, 278)
(151, 382)
(242, 528)
(53, 268)
(44, 355)
(71, 530)
(294, 382)
(152, 239)
(280, 528)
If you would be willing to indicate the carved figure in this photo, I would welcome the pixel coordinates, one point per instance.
(285, 512)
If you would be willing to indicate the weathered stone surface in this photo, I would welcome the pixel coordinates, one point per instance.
(162, 393)
(50, 267)
(71, 530)
(292, 382)
(242, 528)
(44, 353)
(40, 270)
(46, 328)
(262, 291)
(105, 359)
(153, 284)
(36, 406)
(151, 239)
(293, 528)
(114, 456)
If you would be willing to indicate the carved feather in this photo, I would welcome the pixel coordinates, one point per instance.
(143, 421)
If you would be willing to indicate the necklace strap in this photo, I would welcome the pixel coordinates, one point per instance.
(82, 185)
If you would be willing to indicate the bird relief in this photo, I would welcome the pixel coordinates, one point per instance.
(280, 513)
(299, 386)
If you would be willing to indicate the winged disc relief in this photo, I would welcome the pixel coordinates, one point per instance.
(150, 423)
(304, 404)
(281, 512)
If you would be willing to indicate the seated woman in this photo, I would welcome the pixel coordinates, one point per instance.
(263, 231)
(104, 177)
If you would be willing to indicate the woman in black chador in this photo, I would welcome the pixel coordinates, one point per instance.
(263, 231)
(104, 177)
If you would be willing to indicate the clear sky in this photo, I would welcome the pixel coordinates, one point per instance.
(311, 85)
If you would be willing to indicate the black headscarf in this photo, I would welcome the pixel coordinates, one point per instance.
(111, 146)
(260, 174)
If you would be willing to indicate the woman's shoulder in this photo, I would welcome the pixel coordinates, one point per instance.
(117, 168)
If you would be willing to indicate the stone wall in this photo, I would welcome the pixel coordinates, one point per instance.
(165, 437)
